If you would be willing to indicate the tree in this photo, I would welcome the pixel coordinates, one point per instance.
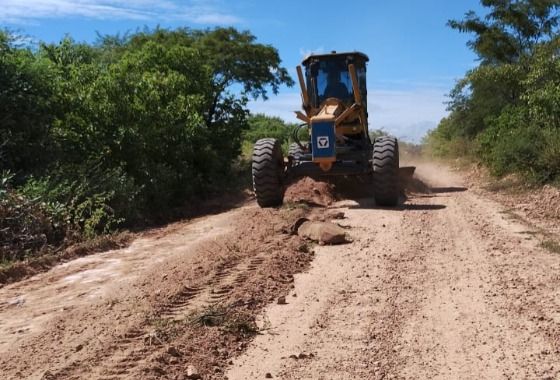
(507, 110)
(25, 108)
(129, 128)
(234, 58)
(511, 29)
(505, 40)
(261, 126)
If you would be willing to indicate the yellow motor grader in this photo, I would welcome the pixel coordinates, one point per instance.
(334, 96)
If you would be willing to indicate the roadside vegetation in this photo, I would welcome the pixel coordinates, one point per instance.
(505, 113)
(262, 126)
(123, 132)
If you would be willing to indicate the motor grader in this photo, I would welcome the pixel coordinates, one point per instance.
(337, 143)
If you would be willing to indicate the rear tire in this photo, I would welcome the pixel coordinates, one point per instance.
(386, 183)
(268, 173)
(295, 153)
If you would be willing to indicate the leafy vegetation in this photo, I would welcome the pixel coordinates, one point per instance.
(506, 112)
(123, 131)
(261, 126)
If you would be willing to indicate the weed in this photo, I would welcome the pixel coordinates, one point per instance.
(163, 329)
(228, 319)
(210, 317)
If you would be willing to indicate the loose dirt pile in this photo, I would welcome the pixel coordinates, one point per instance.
(415, 185)
(311, 192)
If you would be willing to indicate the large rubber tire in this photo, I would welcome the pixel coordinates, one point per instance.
(386, 182)
(295, 153)
(268, 173)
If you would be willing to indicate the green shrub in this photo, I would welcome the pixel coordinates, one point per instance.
(26, 225)
(508, 108)
(444, 142)
(125, 131)
(262, 126)
(515, 143)
(26, 109)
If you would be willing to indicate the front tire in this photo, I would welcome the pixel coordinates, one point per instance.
(268, 173)
(386, 181)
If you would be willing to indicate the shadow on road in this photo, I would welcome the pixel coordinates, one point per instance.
(369, 204)
(441, 190)
(413, 188)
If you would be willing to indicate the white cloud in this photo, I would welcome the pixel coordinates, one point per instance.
(282, 105)
(215, 18)
(407, 114)
(199, 12)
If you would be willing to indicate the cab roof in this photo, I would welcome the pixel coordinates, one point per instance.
(319, 57)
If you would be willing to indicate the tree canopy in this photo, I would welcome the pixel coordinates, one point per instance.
(511, 29)
(506, 111)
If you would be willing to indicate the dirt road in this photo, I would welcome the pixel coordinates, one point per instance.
(449, 286)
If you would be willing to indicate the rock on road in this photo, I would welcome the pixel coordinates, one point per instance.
(446, 287)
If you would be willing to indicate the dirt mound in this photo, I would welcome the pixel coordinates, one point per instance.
(312, 192)
(322, 193)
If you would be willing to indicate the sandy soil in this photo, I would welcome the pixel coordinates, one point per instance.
(448, 286)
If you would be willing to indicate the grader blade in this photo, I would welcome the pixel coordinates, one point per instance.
(406, 172)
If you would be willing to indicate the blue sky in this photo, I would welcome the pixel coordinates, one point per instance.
(414, 58)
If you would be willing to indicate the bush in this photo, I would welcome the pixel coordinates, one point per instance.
(26, 225)
(509, 106)
(261, 126)
(520, 136)
(444, 142)
(122, 132)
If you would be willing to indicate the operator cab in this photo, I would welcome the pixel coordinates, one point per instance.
(327, 76)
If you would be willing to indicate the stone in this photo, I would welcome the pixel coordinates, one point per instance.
(173, 351)
(192, 373)
(323, 233)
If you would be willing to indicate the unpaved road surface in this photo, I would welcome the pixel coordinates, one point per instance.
(448, 286)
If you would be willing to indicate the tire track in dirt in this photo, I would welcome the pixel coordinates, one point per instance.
(127, 356)
(77, 284)
(27, 307)
(191, 301)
